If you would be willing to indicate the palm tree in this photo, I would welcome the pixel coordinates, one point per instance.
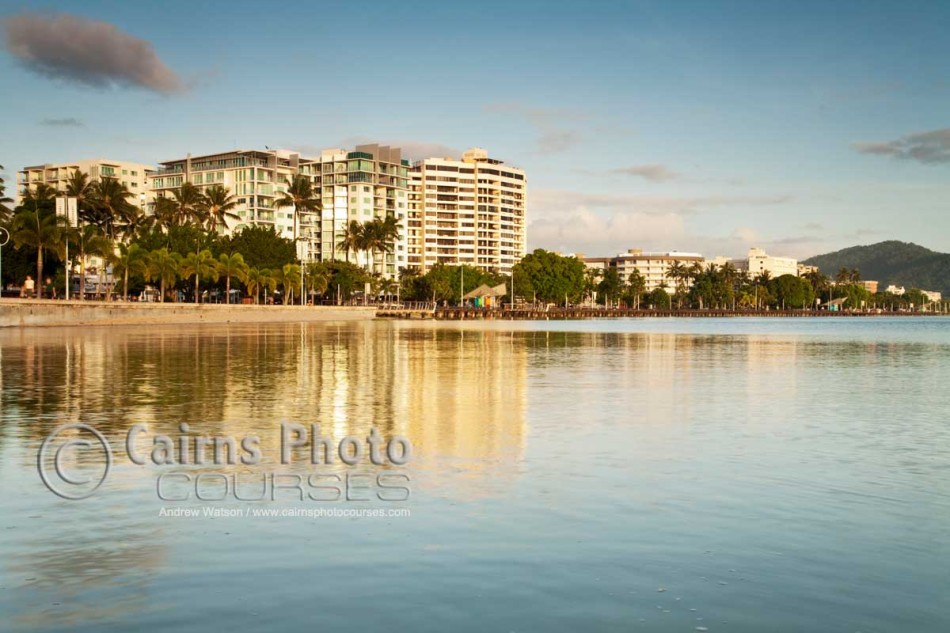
(232, 266)
(387, 233)
(136, 222)
(131, 258)
(299, 195)
(38, 228)
(638, 285)
(288, 278)
(111, 207)
(166, 212)
(199, 265)
(91, 242)
(78, 186)
(591, 275)
(219, 207)
(680, 274)
(188, 203)
(317, 279)
(111, 210)
(163, 266)
(255, 280)
(4, 200)
(352, 240)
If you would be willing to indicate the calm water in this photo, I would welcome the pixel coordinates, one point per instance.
(658, 475)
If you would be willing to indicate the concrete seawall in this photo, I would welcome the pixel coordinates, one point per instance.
(50, 313)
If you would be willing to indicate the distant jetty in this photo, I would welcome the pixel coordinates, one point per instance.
(556, 313)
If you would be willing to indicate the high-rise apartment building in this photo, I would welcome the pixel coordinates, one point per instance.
(469, 211)
(133, 175)
(370, 182)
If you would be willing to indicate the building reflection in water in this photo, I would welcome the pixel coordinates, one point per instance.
(458, 395)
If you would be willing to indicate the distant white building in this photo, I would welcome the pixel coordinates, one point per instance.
(895, 290)
(933, 295)
(760, 262)
(654, 267)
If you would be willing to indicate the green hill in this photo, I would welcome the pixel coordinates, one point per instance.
(892, 262)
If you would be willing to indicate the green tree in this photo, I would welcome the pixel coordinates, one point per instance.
(219, 207)
(344, 278)
(352, 240)
(636, 286)
(79, 186)
(258, 279)
(130, 259)
(91, 242)
(550, 277)
(680, 274)
(790, 291)
(200, 265)
(109, 207)
(288, 278)
(658, 299)
(300, 196)
(262, 247)
(189, 204)
(232, 267)
(317, 279)
(610, 286)
(5, 211)
(37, 229)
(164, 267)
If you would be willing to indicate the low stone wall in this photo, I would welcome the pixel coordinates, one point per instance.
(49, 313)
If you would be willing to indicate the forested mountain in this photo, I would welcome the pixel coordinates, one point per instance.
(892, 262)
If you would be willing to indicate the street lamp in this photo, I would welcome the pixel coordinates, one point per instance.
(66, 207)
(300, 256)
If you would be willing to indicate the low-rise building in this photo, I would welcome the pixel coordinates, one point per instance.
(133, 175)
(760, 262)
(870, 286)
(654, 267)
(932, 295)
(895, 290)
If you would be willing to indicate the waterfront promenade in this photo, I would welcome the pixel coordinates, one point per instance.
(52, 312)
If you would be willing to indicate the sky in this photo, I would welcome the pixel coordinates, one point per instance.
(798, 127)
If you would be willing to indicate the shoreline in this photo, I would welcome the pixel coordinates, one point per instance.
(59, 313)
(572, 314)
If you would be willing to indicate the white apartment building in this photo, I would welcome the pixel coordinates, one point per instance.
(133, 175)
(760, 262)
(369, 182)
(469, 211)
(654, 267)
(254, 177)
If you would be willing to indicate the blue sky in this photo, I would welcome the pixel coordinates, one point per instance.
(713, 126)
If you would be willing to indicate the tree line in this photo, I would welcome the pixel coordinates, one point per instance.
(183, 245)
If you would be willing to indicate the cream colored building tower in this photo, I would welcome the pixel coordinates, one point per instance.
(469, 211)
